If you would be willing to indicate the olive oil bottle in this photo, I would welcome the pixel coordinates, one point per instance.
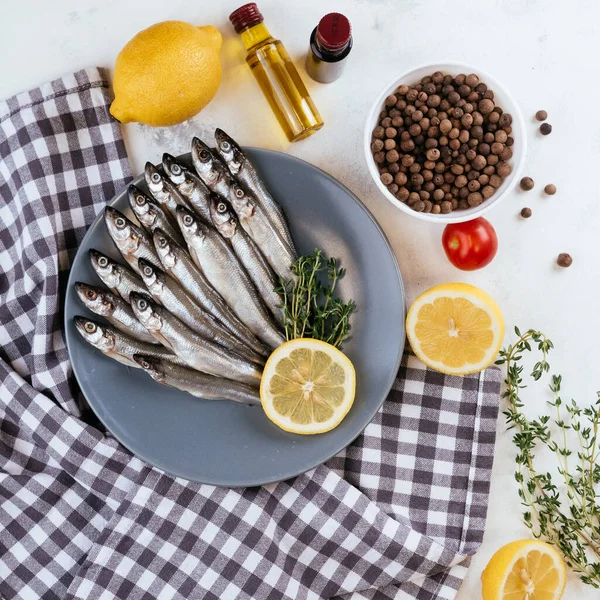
(276, 75)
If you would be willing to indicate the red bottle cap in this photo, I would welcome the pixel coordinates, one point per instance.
(333, 32)
(245, 16)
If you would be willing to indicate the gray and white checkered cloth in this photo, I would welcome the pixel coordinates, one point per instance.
(396, 515)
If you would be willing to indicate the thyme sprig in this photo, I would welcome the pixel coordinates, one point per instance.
(568, 516)
(311, 309)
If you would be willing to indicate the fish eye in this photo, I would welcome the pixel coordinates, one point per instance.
(221, 207)
(91, 294)
(120, 222)
(103, 261)
(142, 304)
(205, 154)
(155, 177)
(239, 192)
(145, 364)
(225, 146)
(188, 220)
(90, 327)
(148, 270)
(140, 200)
(162, 242)
(175, 169)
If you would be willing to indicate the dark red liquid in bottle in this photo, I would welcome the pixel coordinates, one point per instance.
(330, 44)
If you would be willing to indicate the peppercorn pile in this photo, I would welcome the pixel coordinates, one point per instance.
(443, 144)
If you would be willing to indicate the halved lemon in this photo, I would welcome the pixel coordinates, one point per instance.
(307, 386)
(524, 570)
(455, 328)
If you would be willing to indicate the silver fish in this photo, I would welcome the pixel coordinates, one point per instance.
(261, 274)
(256, 223)
(117, 278)
(198, 384)
(210, 168)
(118, 345)
(221, 267)
(114, 309)
(162, 190)
(132, 241)
(197, 352)
(189, 185)
(151, 215)
(175, 299)
(243, 170)
(178, 263)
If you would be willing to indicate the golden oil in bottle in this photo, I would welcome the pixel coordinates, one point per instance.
(276, 75)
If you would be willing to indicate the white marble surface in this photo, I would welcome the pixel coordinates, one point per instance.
(544, 51)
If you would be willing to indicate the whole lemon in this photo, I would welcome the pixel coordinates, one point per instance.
(167, 73)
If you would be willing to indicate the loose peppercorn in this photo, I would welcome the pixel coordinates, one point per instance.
(394, 168)
(389, 144)
(526, 183)
(386, 179)
(564, 260)
(550, 189)
(541, 115)
(545, 128)
(526, 213)
(391, 132)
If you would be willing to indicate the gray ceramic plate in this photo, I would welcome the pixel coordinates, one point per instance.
(228, 444)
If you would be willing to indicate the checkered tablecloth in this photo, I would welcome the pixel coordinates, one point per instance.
(396, 515)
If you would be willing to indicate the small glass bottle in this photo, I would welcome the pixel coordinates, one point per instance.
(330, 44)
(276, 75)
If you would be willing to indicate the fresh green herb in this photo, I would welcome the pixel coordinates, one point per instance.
(312, 309)
(567, 516)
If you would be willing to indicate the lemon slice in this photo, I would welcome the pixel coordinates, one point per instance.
(455, 328)
(307, 386)
(524, 570)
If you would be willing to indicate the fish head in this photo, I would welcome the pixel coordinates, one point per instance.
(230, 151)
(106, 268)
(94, 299)
(145, 309)
(191, 226)
(95, 334)
(141, 205)
(150, 274)
(222, 216)
(152, 365)
(204, 162)
(165, 248)
(174, 170)
(154, 179)
(125, 234)
(241, 201)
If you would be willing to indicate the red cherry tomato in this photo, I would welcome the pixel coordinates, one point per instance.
(471, 245)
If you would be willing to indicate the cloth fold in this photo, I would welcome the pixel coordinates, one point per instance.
(395, 515)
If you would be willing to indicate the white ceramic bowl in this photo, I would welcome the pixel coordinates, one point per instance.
(501, 96)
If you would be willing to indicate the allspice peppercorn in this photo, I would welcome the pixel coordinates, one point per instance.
(564, 260)
(545, 128)
(442, 144)
(541, 115)
(526, 213)
(526, 183)
(550, 189)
